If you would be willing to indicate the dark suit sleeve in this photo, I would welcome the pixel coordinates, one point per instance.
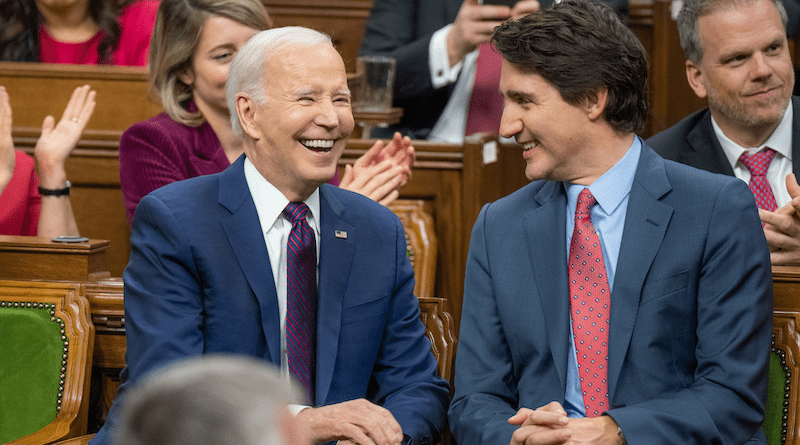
(405, 370)
(485, 387)
(393, 30)
(724, 403)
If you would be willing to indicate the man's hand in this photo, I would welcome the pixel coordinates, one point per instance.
(523, 8)
(358, 421)
(7, 156)
(381, 171)
(600, 430)
(545, 425)
(58, 141)
(475, 23)
(782, 227)
(549, 425)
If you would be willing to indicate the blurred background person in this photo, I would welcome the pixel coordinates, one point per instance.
(212, 399)
(38, 205)
(87, 32)
(193, 44)
(447, 73)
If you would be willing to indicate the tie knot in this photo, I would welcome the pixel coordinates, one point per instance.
(585, 202)
(295, 211)
(758, 163)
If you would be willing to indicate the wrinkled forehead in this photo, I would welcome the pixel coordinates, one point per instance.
(317, 65)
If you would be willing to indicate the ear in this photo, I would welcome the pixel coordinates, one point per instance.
(186, 76)
(596, 103)
(695, 77)
(247, 111)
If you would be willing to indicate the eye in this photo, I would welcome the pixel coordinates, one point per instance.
(223, 56)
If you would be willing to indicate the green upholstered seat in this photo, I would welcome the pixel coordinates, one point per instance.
(34, 352)
(778, 396)
(46, 346)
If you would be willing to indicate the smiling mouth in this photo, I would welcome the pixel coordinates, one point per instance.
(318, 145)
(529, 145)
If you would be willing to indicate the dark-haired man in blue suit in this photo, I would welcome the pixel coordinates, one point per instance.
(208, 267)
(618, 297)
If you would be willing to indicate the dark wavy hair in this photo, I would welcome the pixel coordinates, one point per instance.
(582, 47)
(20, 21)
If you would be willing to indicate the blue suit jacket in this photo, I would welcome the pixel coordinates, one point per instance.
(691, 312)
(199, 281)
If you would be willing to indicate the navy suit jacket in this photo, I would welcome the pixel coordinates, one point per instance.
(692, 141)
(691, 312)
(199, 281)
(402, 29)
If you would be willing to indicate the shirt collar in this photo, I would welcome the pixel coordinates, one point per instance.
(610, 189)
(780, 140)
(270, 202)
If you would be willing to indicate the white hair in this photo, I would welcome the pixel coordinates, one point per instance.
(208, 399)
(246, 74)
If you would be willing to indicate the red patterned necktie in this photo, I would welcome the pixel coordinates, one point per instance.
(301, 297)
(758, 164)
(590, 302)
(486, 103)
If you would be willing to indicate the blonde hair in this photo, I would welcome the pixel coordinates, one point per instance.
(179, 25)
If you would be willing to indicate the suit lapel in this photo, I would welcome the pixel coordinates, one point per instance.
(335, 259)
(704, 151)
(646, 222)
(546, 235)
(243, 229)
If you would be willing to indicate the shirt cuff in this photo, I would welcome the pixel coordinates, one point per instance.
(442, 74)
(294, 409)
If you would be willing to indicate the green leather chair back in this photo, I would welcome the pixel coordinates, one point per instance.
(778, 396)
(33, 357)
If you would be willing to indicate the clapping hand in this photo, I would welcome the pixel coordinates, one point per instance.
(58, 141)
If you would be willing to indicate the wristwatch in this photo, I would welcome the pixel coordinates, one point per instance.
(55, 192)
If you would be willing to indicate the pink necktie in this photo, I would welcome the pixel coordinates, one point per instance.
(758, 164)
(301, 297)
(486, 103)
(590, 302)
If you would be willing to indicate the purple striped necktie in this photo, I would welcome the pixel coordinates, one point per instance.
(301, 297)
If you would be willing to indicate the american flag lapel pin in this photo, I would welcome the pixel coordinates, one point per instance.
(340, 234)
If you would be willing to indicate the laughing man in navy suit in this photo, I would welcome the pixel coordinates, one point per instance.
(679, 321)
(208, 263)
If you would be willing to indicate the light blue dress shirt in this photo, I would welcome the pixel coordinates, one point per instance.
(611, 191)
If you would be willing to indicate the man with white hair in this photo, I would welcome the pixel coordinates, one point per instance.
(266, 260)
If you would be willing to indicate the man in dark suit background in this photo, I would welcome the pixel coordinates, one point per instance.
(212, 260)
(435, 44)
(618, 296)
(738, 58)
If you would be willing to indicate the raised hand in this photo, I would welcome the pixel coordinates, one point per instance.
(58, 141)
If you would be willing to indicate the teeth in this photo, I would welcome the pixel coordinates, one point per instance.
(529, 145)
(324, 144)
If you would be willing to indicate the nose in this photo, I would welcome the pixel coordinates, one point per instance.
(510, 124)
(326, 115)
(760, 67)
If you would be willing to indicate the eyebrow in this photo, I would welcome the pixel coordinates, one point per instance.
(518, 95)
(313, 91)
